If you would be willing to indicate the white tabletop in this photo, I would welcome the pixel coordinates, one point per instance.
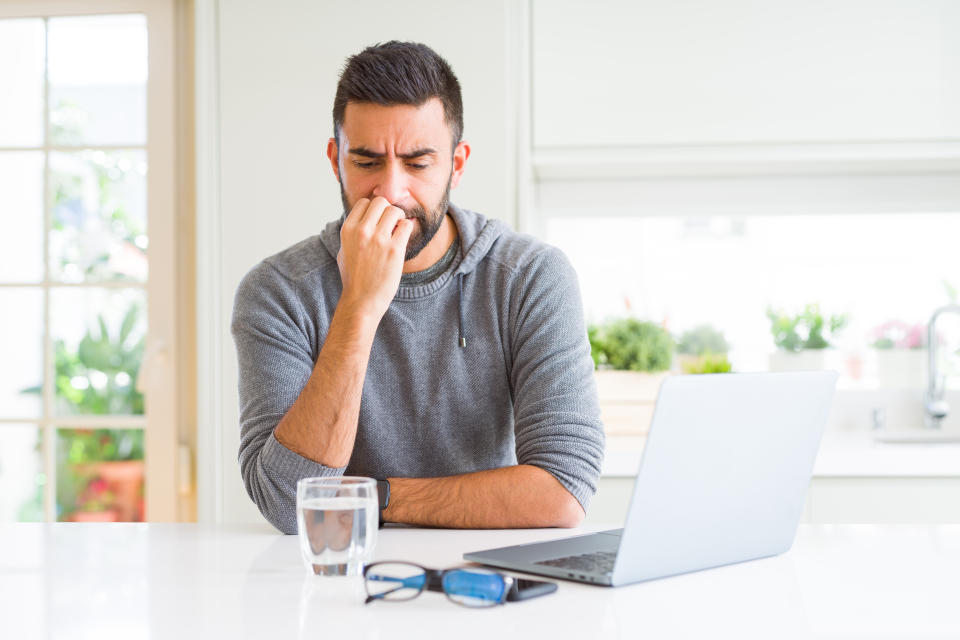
(203, 581)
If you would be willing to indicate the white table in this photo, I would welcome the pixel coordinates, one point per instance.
(202, 581)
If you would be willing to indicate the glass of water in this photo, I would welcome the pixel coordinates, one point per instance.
(337, 520)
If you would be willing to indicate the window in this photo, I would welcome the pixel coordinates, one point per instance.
(715, 167)
(87, 276)
(676, 252)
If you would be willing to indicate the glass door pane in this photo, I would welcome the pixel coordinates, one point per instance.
(99, 201)
(21, 473)
(21, 79)
(98, 341)
(98, 77)
(21, 352)
(21, 215)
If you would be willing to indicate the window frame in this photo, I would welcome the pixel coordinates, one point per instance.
(164, 354)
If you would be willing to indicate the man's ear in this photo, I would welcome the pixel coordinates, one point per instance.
(460, 155)
(332, 154)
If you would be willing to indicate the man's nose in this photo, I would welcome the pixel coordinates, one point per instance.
(392, 184)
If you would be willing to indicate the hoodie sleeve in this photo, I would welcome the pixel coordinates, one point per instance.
(275, 361)
(556, 410)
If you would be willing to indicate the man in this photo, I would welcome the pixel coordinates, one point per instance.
(414, 341)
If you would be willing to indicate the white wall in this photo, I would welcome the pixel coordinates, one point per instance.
(620, 89)
(741, 71)
(278, 64)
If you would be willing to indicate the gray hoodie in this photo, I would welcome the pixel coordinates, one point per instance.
(487, 366)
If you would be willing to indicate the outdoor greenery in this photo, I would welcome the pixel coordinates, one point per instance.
(702, 340)
(80, 446)
(631, 345)
(79, 486)
(707, 363)
(805, 330)
(98, 238)
(99, 376)
(96, 378)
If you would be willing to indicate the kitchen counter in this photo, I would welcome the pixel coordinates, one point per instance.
(841, 455)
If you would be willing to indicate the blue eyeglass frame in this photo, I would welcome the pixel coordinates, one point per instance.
(442, 580)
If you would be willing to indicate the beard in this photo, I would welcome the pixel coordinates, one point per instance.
(428, 223)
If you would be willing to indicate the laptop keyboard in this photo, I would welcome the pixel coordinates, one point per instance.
(596, 562)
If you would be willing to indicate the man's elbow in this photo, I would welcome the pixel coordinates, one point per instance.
(568, 513)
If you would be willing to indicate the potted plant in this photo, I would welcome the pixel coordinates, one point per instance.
(101, 475)
(632, 358)
(703, 349)
(901, 354)
(802, 339)
(708, 363)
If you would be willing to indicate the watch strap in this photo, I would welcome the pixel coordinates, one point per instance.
(383, 493)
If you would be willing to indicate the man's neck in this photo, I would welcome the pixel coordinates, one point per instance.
(435, 249)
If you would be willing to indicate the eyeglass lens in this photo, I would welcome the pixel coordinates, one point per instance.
(394, 581)
(474, 587)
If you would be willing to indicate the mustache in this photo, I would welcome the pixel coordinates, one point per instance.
(416, 212)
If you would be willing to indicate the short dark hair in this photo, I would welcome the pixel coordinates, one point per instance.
(394, 73)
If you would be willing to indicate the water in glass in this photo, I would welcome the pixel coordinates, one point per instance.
(337, 522)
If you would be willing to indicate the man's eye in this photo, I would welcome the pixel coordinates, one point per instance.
(417, 166)
(364, 165)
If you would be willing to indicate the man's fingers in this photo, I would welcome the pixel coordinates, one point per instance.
(371, 217)
(356, 213)
(401, 233)
(388, 221)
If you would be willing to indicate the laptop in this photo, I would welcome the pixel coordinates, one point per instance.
(722, 480)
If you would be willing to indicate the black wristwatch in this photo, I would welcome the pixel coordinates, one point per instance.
(383, 490)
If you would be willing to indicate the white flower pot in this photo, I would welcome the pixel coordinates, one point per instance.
(627, 399)
(806, 360)
(901, 368)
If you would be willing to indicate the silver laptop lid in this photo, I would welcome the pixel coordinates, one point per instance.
(724, 472)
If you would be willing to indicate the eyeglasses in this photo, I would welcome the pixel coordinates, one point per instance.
(470, 587)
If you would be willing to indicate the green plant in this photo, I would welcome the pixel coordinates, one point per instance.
(631, 345)
(98, 378)
(80, 446)
(92, 220)
(702, 340)
(708, 363)
(79, 487)
(806, 330)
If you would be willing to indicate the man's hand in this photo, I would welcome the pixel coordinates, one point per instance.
(322, 424)
(373, 244)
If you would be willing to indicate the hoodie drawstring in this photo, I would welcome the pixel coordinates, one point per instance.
(463, 337)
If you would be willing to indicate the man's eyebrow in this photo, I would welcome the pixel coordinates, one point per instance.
(416, 153)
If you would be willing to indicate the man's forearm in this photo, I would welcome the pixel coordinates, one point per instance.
(322, 423)
(521, 496)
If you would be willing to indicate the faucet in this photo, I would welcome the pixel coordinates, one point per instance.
(936, 408)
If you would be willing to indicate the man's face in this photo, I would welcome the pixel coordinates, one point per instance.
(402, 153)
